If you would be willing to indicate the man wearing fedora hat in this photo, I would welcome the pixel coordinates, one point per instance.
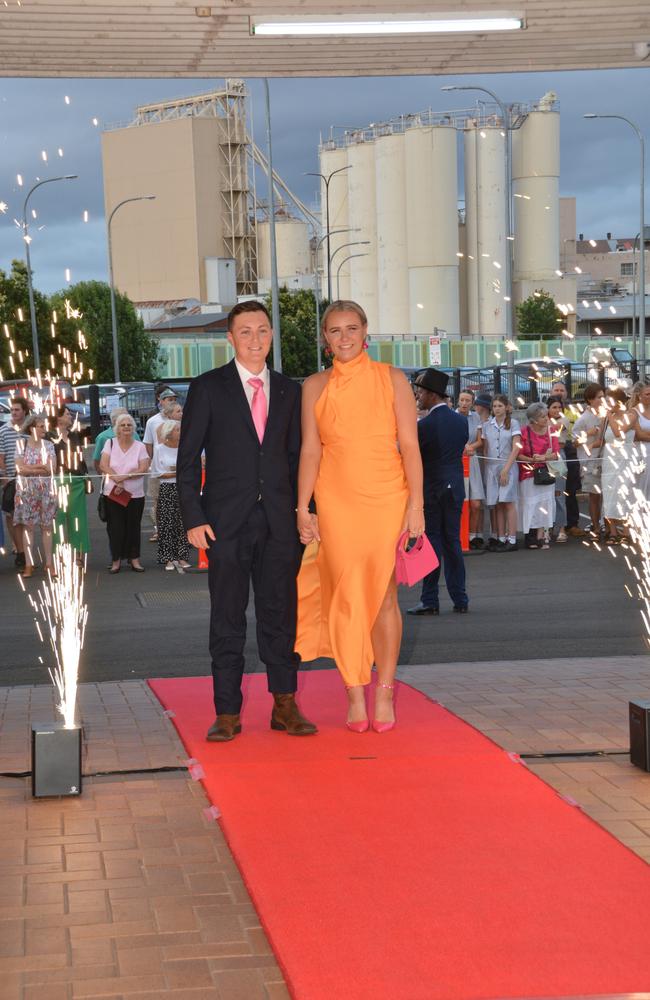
(442, 434)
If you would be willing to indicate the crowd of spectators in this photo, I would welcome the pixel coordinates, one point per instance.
(45, 483)
(524, 476)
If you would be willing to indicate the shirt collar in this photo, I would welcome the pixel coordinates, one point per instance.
(436, 407)
(244, 374)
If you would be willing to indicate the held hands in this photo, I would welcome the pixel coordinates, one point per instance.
(307, 526)
(201, 536)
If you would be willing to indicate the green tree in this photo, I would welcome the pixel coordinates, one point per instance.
(298, 329)
(16, 328)
(538, 318)
(91, 300)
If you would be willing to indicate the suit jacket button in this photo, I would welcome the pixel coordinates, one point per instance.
(261, 482)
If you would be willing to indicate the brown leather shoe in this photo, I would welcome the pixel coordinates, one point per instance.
(286, 717)
(224, 728)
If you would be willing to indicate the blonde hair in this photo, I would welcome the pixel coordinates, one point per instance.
(31, 421)
(635, 398)
(343, 305)
(166, 428)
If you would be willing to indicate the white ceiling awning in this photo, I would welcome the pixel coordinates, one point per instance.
(176, 38)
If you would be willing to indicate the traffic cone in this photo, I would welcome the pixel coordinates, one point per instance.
(464, 517)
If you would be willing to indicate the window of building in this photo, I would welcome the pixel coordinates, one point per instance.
(628, 270)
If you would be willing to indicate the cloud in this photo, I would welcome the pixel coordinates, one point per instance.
(599, 158)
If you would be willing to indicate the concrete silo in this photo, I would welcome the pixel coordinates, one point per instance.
(293, 253)
(392, 269)
(486, 229)
(432, 229)
(362, 218)
(536, 197)
(470, 261)
(334, 158)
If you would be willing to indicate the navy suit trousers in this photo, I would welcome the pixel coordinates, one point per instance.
(442, 516)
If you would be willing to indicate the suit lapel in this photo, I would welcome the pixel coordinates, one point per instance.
(276, 401)
(236, 390)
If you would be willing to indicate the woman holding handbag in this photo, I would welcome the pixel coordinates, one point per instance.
(124, 462)
(539, 445)
(360, 460)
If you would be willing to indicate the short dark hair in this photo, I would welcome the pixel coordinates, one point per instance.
(252, 306)
(591, 390)
(60, 411)
(554, 399)
(24, 403)
(617, 393)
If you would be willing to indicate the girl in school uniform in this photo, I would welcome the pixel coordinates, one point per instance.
(501, 438)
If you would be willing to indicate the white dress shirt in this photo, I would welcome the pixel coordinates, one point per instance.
(244, 375)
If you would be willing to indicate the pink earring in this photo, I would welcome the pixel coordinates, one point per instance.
(366, 342)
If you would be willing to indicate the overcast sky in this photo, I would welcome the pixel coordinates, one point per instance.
(600, 159)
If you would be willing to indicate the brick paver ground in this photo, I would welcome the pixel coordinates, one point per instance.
(130, 893)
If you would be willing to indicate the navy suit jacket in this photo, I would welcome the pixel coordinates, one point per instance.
(443, 435)
(238, 469)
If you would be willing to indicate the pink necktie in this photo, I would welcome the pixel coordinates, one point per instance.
(258, 406)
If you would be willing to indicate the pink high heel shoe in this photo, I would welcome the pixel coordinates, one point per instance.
(384, 727)
(357, 727)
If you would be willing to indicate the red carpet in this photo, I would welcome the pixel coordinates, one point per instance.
(423, 864)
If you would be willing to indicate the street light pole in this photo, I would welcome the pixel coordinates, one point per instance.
(275, 290)
(510, 328)
(317, 290)
(634, 328)
(116, 352)
(354, 243)
(639, 135)
(28, 259)
(326, 178)
(338, 270)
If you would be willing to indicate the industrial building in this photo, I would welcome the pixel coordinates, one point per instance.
(406, 249)
(206, 234)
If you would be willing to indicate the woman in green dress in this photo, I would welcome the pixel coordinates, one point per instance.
(71, 524)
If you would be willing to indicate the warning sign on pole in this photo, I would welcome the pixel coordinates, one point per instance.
(434, 351)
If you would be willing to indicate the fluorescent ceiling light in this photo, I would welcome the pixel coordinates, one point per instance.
(415, 25)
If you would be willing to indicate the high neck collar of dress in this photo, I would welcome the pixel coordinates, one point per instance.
(350, 368)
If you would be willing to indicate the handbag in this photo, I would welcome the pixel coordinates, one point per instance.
(542, 477)
(412, 565)
(9, 497)
(122, 497)
(541, 473)
(101, 508)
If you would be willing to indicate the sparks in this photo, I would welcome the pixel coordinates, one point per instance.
(62, 610)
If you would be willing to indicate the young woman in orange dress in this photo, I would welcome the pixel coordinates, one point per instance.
(360, 461)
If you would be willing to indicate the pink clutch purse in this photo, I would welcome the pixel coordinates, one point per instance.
(412, 565)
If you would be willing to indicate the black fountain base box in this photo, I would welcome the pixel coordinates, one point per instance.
(56, 760)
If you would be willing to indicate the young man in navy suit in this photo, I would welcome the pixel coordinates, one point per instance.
(442, 434)
(246, 418)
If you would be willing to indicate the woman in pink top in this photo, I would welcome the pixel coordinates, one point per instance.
(539, 444)
(124, 462)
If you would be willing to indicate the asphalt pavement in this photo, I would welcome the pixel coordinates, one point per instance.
(568, 601)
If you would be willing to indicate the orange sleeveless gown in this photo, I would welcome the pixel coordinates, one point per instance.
(361, 497)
